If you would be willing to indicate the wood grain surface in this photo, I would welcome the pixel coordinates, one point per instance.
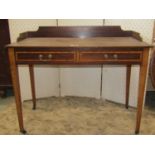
(80, 42)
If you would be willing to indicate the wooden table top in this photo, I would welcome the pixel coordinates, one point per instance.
(80, 42)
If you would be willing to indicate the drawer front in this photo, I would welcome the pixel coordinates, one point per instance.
(110, 57)
(45, 56)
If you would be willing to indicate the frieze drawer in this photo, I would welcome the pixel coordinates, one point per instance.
(45, 56)
(110, 56)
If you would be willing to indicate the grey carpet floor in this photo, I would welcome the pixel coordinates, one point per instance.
(74, 116)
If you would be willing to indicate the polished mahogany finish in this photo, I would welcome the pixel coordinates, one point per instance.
(66, 57)
(110, 57)
(79, 32)
(50, 57)
(96, 45)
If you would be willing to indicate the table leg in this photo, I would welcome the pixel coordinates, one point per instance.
(31, 70)
(16, 86)
(128, 75)
(142, 81)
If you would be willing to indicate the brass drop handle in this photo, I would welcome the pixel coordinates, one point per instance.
(50, 56)
(106, 56)
(115, 56)
(40, 56)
